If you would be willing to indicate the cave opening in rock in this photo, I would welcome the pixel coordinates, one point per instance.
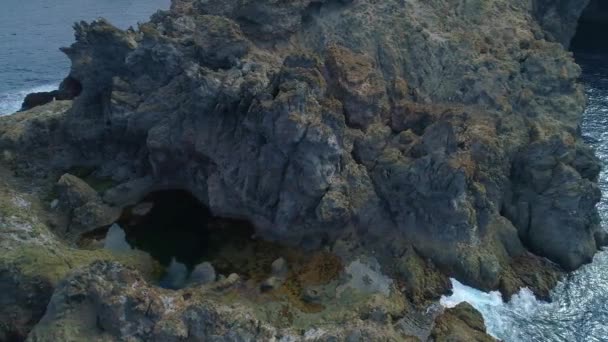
(69, 88)
(591, 34)
(194, 247)
(169, 225)
(178, 231)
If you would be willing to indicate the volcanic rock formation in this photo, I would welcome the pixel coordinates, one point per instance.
(68, 90)
(439, 136)
(314, 118)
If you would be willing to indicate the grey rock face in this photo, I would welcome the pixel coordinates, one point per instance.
(555, 189)
(425, 132)
(74, 192)
(403, 121)
(559, 18)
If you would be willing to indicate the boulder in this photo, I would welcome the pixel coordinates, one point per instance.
(279, 268)
(93, 215)
(278, 114)
(272, 283)
(460, 324)
(142, 209)
(202, 274)
(38, 99)
(74, 192)
(85, 208)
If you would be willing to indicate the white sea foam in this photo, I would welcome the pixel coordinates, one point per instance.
(11, 101)
(463, 293)
(578, 311)
(502, 319)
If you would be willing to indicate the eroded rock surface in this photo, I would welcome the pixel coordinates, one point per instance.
(460, 324)
(34, 259)
(452, 127)
(108, 302)
(439, 138)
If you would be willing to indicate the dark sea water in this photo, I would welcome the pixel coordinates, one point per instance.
(32, 31)
(579, 308)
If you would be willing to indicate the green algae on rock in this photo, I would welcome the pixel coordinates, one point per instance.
(34, 260)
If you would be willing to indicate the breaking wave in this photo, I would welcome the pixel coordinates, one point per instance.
(11, 101)
(578, 311)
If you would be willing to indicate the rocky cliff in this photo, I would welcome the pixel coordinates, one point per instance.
(438, 137)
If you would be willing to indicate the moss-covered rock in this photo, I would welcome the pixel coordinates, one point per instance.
(34, 260)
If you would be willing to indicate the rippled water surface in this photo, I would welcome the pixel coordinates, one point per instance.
(579, 310)
(32, 31)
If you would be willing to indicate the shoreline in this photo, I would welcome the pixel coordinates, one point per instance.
(395, 176)
(10, 102)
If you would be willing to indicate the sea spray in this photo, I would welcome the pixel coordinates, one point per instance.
(10, 102)
(578, 311)
(501, 318)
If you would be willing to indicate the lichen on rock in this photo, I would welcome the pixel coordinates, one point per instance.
(34, 259)
(438, 138)
(412, 132)
(460, 324)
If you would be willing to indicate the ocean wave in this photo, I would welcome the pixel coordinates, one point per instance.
(503, 320)
(11, 101)
(578, 311)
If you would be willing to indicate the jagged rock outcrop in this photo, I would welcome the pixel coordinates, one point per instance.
(311, 117)
(439, 136)
(83, 205)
